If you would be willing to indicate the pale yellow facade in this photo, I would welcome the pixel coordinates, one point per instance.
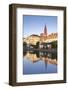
(32, 40)
(50, 38)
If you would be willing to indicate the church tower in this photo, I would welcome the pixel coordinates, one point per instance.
(45, 30)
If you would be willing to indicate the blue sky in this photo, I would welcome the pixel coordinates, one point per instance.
(35, 24)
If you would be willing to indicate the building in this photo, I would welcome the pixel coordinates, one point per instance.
(51, 37)
(45, 38)
(32, 39)
(42, 38)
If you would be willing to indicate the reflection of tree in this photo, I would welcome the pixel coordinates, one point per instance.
(35, 56)
(42, 54)
(24, 53)
(54, 56)
(35, 52)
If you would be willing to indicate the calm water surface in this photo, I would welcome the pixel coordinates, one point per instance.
(39, 62)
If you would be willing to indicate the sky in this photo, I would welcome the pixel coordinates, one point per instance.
(35, 24)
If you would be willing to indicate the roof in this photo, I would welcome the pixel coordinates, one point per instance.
(35, 35)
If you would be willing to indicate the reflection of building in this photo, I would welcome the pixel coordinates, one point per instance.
(46, 58)
(32, 39)
(32, 57)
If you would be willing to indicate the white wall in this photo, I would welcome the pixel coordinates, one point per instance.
(4, 44)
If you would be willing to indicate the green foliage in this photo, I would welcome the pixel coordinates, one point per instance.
(24, 44)
(54, 44)
(37, 45)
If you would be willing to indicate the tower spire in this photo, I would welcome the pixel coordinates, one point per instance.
(45, 30)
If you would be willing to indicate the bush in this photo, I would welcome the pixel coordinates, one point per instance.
(54, 44)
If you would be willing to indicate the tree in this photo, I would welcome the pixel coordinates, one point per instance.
(24, 44)
(54, 44)
(37, 44)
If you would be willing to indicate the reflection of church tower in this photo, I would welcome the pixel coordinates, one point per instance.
(45, 30)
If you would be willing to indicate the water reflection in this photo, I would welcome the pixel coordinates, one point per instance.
(37, 62)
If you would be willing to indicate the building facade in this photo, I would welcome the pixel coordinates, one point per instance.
(32, 39)
(45, 38)
(42, 38)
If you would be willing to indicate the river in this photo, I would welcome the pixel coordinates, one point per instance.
(39, 62)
